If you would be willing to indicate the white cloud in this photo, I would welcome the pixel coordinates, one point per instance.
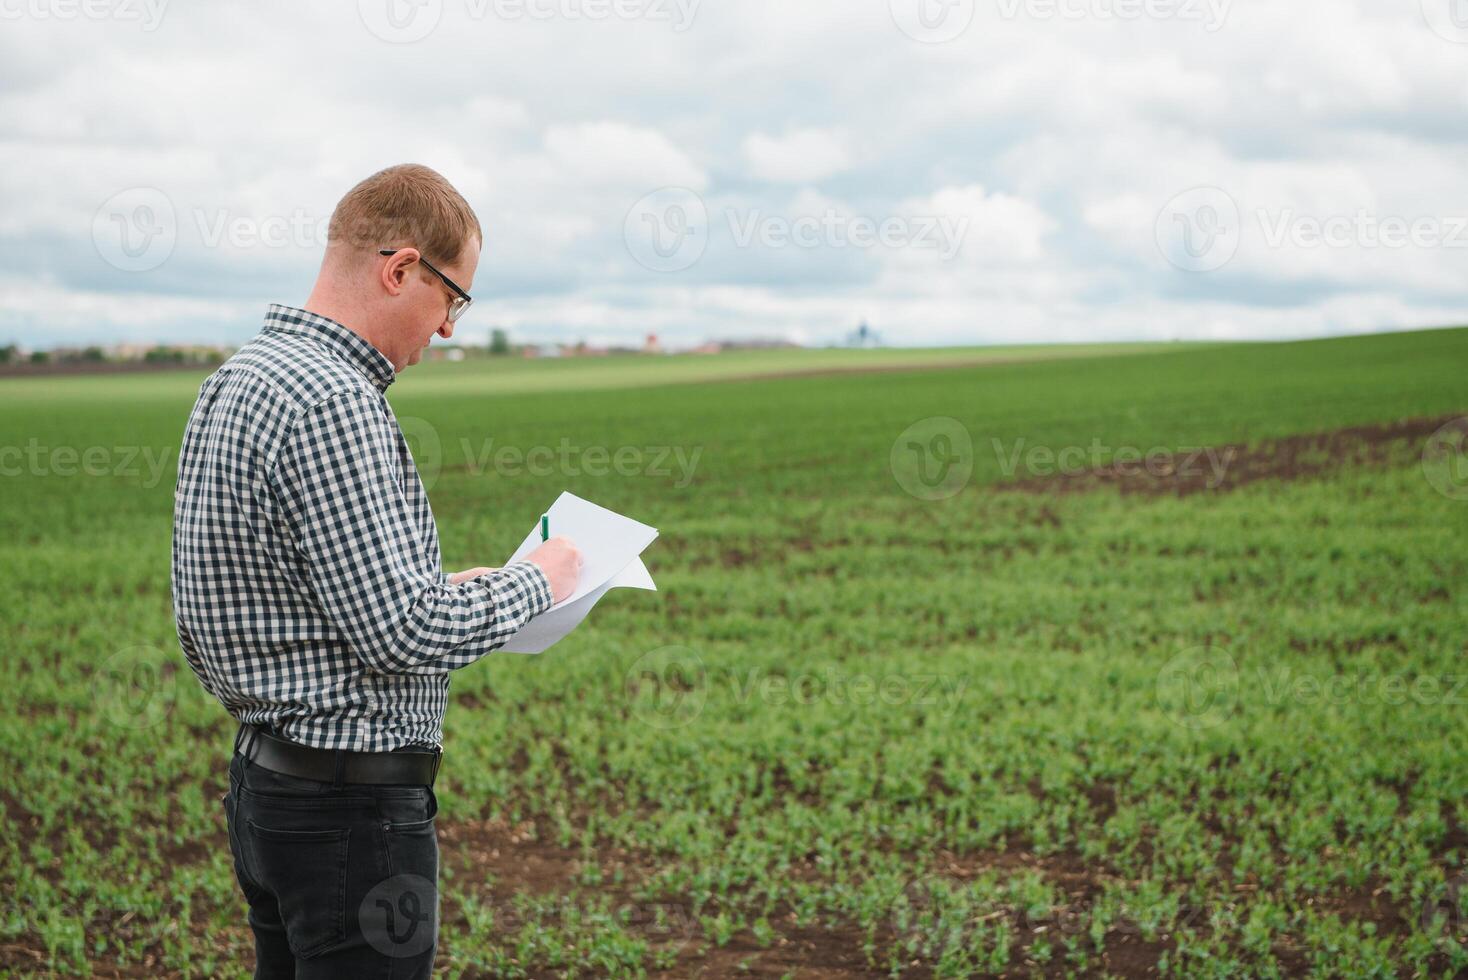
(616, 154)
(51, 315)
(991, 227)
(799, 156)
(1053, 143)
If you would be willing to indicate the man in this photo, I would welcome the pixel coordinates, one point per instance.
(310, 598)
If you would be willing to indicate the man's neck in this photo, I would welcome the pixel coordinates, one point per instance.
(328, 303)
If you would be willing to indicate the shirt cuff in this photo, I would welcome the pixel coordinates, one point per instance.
(527, 577)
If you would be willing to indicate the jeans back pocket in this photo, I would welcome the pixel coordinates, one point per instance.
(405, 918)
(306, 872)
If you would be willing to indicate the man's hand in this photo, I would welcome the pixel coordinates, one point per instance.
(561, 562)
(459, 578)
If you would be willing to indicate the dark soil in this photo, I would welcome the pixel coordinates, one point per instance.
(1233, 465)
(27, 370)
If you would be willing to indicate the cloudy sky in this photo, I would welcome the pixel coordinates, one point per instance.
(949, 171)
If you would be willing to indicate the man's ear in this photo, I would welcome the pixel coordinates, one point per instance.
(396, 269)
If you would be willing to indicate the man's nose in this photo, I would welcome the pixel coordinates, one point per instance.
(446, 329)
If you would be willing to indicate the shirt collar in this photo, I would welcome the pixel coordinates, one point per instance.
(345, 343)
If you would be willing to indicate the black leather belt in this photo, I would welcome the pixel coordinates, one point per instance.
(402, 768)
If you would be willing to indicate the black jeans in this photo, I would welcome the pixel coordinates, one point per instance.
(341, 879)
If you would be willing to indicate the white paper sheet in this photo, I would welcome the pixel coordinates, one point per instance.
(610, 545)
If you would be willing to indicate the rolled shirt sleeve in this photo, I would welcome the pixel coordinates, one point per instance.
(343, 492)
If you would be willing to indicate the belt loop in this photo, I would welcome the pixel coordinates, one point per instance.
(250, 746)
(341, 762)
(437, 759)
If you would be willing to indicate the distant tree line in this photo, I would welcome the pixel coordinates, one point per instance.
(95, 354)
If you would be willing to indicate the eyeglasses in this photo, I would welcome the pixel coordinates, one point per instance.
(461, 299)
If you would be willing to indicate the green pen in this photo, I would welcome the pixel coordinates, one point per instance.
(545, 527)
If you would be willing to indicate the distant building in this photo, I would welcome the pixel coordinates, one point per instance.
(582, 349)
(863, 336)
(129, 351)
(650, 345)
(758, 343)
(186, 354)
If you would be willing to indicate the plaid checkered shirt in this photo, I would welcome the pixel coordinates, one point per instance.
(308, 585)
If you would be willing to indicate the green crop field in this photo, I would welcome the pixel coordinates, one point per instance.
(928, 689)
